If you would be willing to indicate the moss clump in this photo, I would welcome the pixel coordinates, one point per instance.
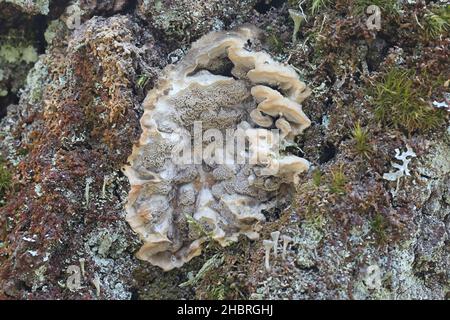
(317, 177)
(361, 138)
(218, 292)
(275, 43)
(390, 7)
(338, 181)
(318, 5)
(5, 180)
(403, 105)
(378, 226)
(142, 81)
(199, 230)
(437, 21)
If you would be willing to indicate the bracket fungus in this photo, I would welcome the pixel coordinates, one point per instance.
(223, 84)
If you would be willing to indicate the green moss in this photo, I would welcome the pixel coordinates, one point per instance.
(314, 218)
(142, 80)
(318, 5)
(361, 138)
(200, 230)
(5, 180)
(217, 292)
(338, 181)
(317, 177)
(315, 6)
(275, 43)
(437, 21)
(378, 226)
(401, 104)
(212, 263)
(390, 7)
(219, 286)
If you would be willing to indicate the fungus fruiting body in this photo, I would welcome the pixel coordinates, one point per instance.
(223, 90)
(275, 236)
(268, 245)
(286, 241)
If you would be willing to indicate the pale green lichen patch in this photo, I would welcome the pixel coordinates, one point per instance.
(29, 54)
(35, 80)
(12, 54)
(53, 30)
(19, 50)
(35, 6)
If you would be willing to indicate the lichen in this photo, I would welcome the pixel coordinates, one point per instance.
(14, 54)
(17, 56)
(54, 28)
(33, 7)
(35, 81)
(186, 20)
(402, 169)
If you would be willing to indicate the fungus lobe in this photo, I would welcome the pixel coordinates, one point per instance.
(220, 191)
